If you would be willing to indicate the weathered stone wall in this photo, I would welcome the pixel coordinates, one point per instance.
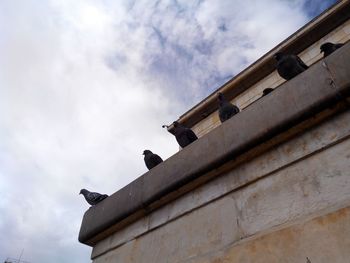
(323, 239)
(273, 80)
(287, 204)
(270, 185)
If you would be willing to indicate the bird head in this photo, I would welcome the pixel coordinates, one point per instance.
(176, 124)
(278, 56)
(145, 152)
(326, 46)
(82, 191)
(220, 96)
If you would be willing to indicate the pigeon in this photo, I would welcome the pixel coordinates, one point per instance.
(184, 136)
(288, 65)
(267, 91)
(328, 48)
(226, 109)
(91, 197)
(151, 159)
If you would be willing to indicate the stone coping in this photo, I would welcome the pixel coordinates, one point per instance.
(311, 140)
(297, 99)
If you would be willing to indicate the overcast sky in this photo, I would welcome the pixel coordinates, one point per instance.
(85, 87)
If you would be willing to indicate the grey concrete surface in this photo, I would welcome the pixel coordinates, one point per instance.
(312, 187)
(298, 99)
(314, 140)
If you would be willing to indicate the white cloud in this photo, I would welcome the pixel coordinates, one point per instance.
(85, 87)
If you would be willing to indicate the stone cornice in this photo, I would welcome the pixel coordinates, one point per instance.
(293, 102)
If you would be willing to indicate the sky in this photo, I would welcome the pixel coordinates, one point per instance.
(85, 86)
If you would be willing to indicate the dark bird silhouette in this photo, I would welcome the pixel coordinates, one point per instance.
(267, 91)
(226, 108)
(151, 159)
(91, 197)
(184, 136)
(288, 66)
(328, 48)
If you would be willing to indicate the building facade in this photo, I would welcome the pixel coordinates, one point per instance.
(272, 184)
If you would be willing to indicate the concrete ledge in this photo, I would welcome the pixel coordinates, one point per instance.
(313, 186)
(324, 134)
(293, 102)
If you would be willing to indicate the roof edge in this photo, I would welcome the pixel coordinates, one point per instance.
(296, 43)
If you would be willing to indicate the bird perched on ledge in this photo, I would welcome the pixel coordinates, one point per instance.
(91, 197)
(288, 66)
(183, 135)
(151, 159)
(226, 108)
(267, 91)
(328, 48)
